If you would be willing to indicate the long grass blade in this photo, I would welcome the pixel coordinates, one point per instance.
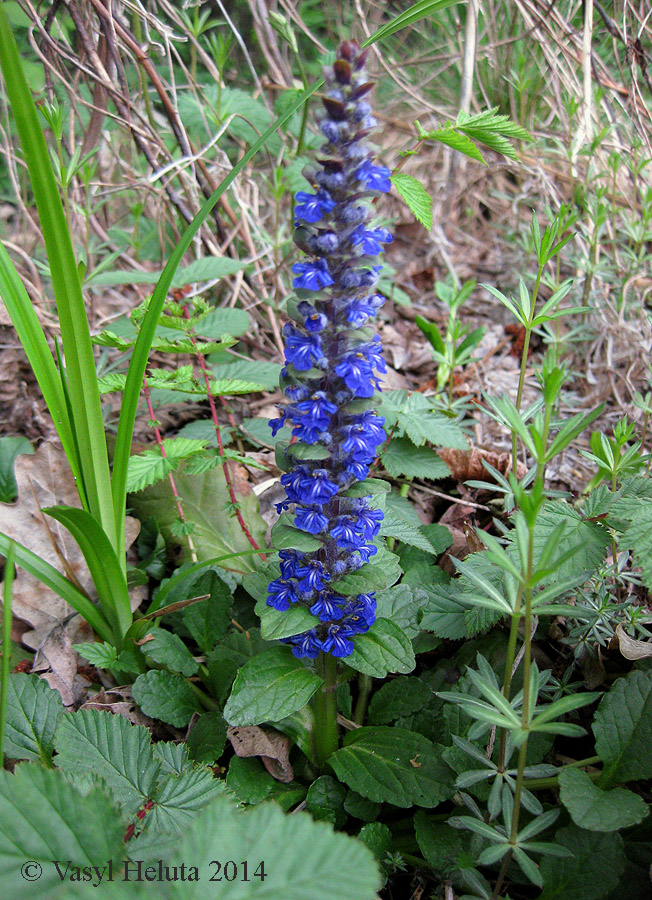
(75, 334)
(7, 598)
(53, 579)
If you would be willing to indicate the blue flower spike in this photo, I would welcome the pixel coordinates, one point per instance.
(332, 370)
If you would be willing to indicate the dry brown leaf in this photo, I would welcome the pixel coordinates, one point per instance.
(272, 747)
(467, 464)
(630, 647)
(120, 702)
(44, 479)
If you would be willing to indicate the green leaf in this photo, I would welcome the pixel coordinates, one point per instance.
(402, 605)
(400, 697)
(378, 575)
(623, 729)
(396, 527)
(384, 648)
(286, 536)
(594, 869)
(205, 269)
(10, 448)
(206, 504)
(588, 539)
(248, 780)
(167, 649)
(33, 713)
(440, 844)
(445, 613)
(98, 653)
(226, 320)
(392, 765)
(413, 416)
(275, 625)
(416, 196)
(401, 457)
(100, 743)
(325, 800)
(44, 817)
(598, 810)
(269, 687)
(207, 738)
(166, 696)
(261, 371)
(179, 797)
(208, 620)
(457, 141)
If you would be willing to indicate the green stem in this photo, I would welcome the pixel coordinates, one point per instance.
(364, 689)
(324, 732)
(526, 347)
(6, 645)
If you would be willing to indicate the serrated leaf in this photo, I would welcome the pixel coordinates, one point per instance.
(206, 269)
(594, 869)
(378, 575)
(90, 741)
(173, 757)
(98, 653)
(589, 540)
(393, 765)
(401, 457)
(269, 687)
(261, 371)
(275, 625)
(33, 713)
(167, 649)
(399, 697)
(623, 729)
(402, 604)
(166, 696)
(444, 614)
(70, 823)
(412, 415)
(179, 798)
(208, 620)
(598, 810)
(384, 648)
(396, 527)
(416, 196)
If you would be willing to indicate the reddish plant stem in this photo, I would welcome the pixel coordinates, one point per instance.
(161, 446)
(220, 448)
(142, 812)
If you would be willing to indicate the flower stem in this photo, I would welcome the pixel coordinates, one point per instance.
(325, 727)
(364, 689)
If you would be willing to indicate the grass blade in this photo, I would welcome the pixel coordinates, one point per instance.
(6, 643)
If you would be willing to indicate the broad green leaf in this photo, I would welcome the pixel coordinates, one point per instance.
(384, 648)
(167, 649)
(413, 416)
(440, 844)
(286, 536)
(207, 738)
(396, 527)
(262, 372)
(10, 448)
(166, 696)
(416, 196)
(399, 697)
(249, 781)
(402, 605)
(623, 729)
(206, 504)
(269, 687)
(275, 625)
(445, 613)
(325, 801)
(392, 765)
(44, 817)
(209, 619)
(401, 457)
(594, 869)
(378, 575)
(598, 810)
(205, 269)
(98, 653)
(179, 798)
(33, 713)
(588, 539)
(226, 320)
(100, 743)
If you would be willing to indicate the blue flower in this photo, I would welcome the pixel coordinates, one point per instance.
(337, 643)
(313, 207)
(326, 608)
(305, 645)
(312, 576)
(312, 275)
(311, 520)
(376, 178)
(290, 562)
(368, 522)
(318, 409)
(301, 350)
(281, 594)
(346, 532)
(370, 240)
(317, 488)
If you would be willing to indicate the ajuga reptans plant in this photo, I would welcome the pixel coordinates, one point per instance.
(330, 377)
